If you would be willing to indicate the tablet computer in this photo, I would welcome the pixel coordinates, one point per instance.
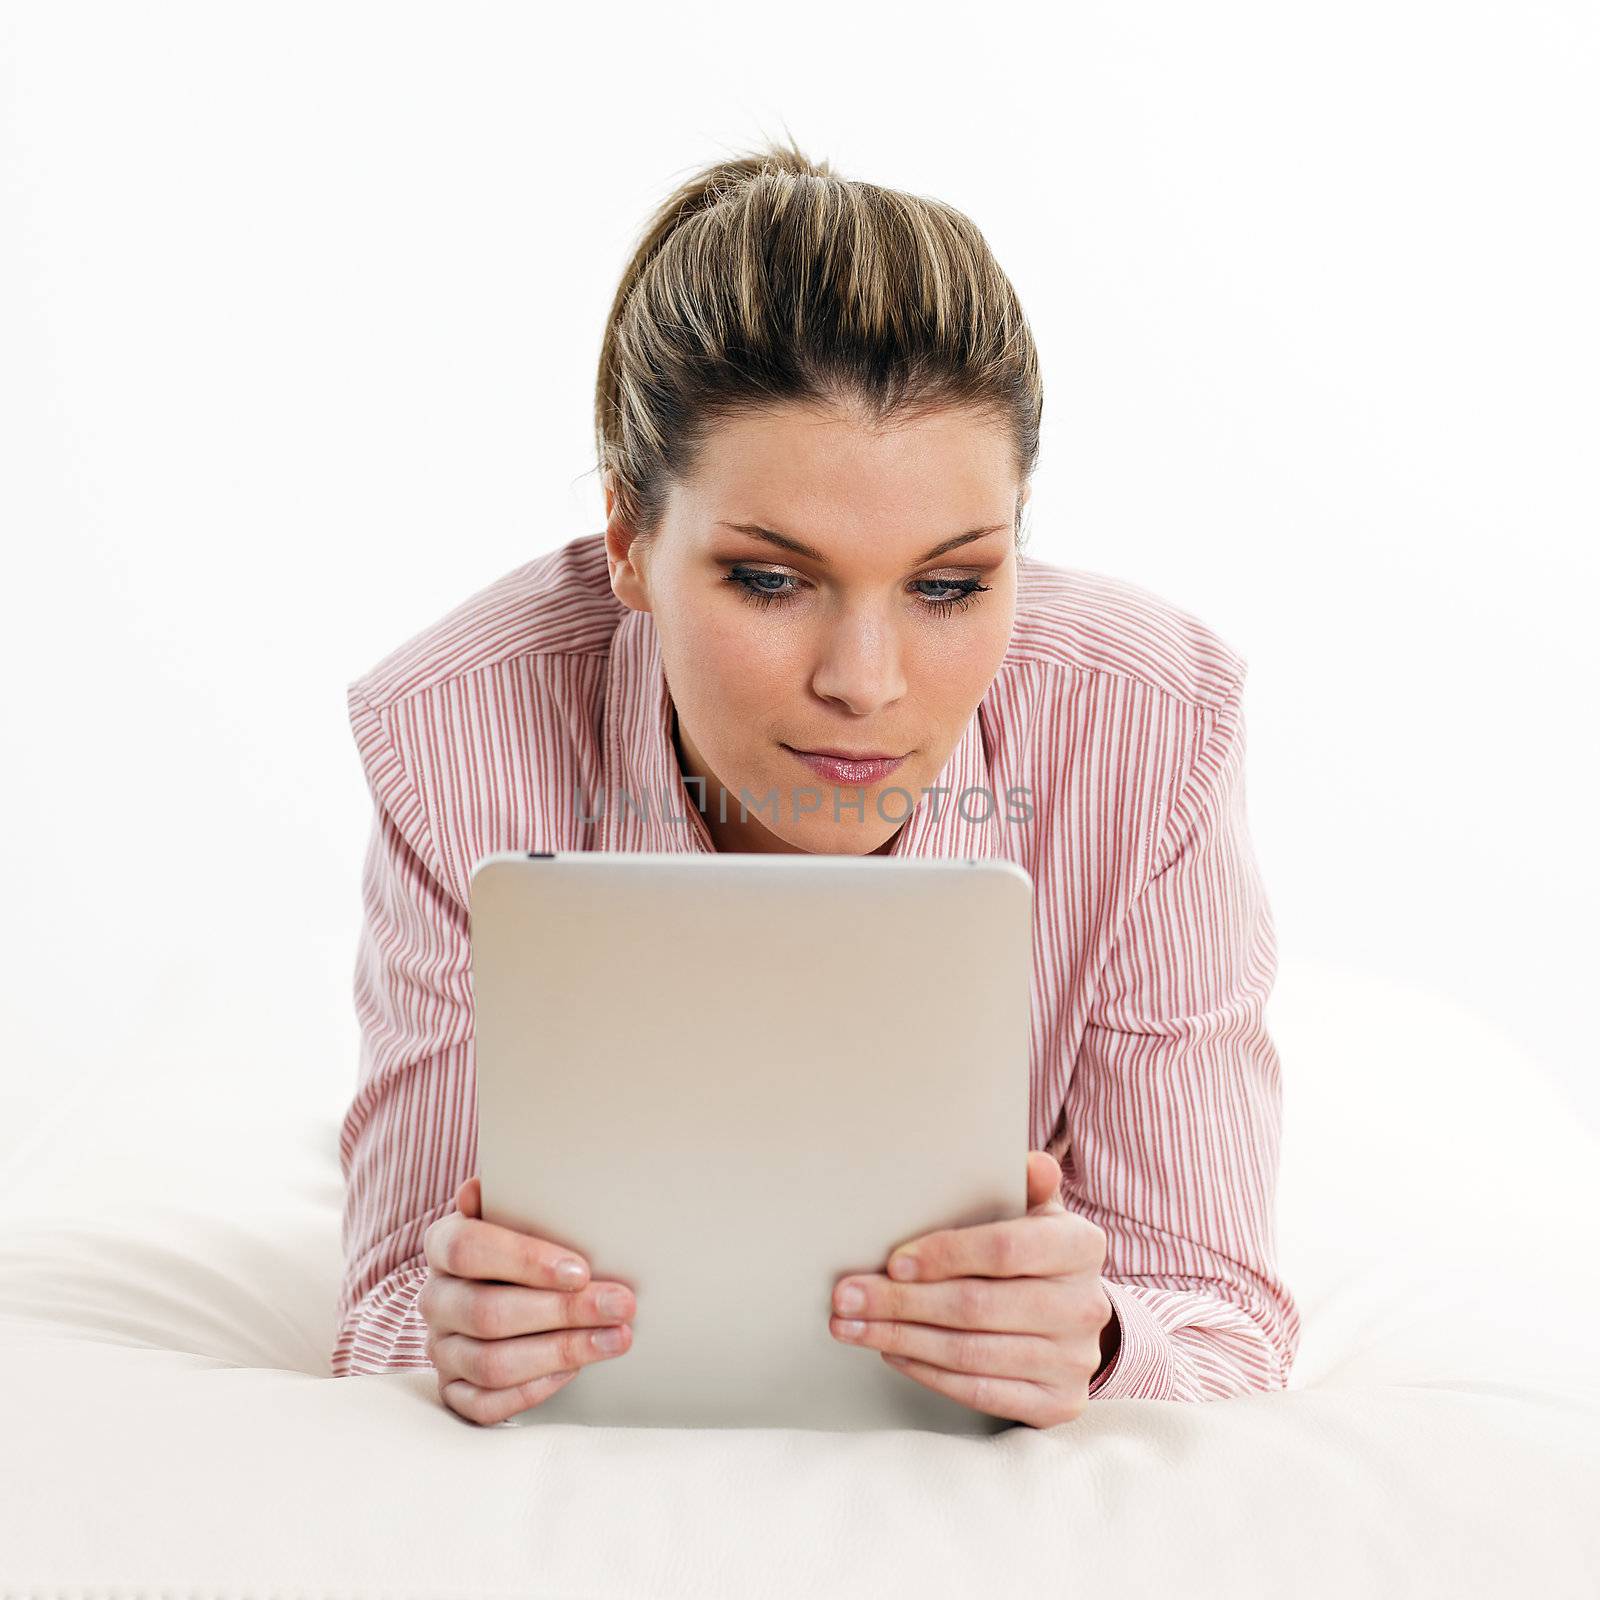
(727, 1080)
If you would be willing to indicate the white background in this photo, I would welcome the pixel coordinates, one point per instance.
(299, 319)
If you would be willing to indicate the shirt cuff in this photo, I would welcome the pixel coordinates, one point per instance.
(1142, 1367)
(386, 1331)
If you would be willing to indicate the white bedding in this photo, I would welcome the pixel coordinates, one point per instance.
(167, 1284)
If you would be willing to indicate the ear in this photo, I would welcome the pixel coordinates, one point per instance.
(628, 579)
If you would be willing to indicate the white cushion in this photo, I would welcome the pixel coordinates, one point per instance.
(167, 1287)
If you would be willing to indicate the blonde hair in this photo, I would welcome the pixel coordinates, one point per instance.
(768, 280)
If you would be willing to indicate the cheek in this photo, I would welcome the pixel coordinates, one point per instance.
(991, 639)
(955, 669)
(736, 667)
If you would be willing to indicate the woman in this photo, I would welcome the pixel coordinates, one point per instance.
(817, 415)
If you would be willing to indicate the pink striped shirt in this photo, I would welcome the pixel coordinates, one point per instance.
(520, 719)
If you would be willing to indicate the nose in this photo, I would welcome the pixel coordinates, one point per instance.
(861, 667)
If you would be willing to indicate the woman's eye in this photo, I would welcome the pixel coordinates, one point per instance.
(959, 593)
(750, 583)
(767, 588)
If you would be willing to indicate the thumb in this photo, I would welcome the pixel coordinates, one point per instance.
(469, 1197)
(1044, 1178)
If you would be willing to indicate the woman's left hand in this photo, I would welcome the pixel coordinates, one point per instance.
(1010, 1318)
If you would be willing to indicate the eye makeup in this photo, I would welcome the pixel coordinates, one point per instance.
(747, 581)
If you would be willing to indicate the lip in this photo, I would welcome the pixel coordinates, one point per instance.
(853, 771)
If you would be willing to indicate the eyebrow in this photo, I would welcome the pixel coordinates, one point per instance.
(784, 542)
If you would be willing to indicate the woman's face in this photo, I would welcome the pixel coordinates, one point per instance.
(865, 642)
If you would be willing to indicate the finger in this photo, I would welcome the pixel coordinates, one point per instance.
(1044, 1179)
(1041, 1244)
(1000, 1355)
(486, 1406)
(504, 1363)
(999, 1305)
(1013, 1398)
(469, 1198)
(468, 1247)
(504, 1311)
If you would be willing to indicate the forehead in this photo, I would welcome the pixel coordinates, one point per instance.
(813, 474)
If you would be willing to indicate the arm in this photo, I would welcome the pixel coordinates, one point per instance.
(408, 1139)
(1173, 1109)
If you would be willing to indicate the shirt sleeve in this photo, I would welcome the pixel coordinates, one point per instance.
(408, 1138)
(1173, 1111)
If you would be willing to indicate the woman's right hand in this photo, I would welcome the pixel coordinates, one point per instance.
(500, 1347)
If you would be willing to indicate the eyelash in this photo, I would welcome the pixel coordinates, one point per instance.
(970, 590)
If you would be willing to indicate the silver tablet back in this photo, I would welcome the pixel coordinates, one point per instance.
(728, 1080)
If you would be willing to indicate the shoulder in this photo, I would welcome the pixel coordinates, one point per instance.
(558, 604)
(1072, 619)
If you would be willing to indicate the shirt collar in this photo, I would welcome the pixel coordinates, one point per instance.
(646, 806)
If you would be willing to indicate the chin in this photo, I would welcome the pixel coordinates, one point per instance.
(850, 842)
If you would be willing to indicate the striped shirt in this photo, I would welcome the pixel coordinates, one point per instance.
(516, 720)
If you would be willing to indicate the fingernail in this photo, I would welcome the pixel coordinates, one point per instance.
(902, 1267)
(569, 1273)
